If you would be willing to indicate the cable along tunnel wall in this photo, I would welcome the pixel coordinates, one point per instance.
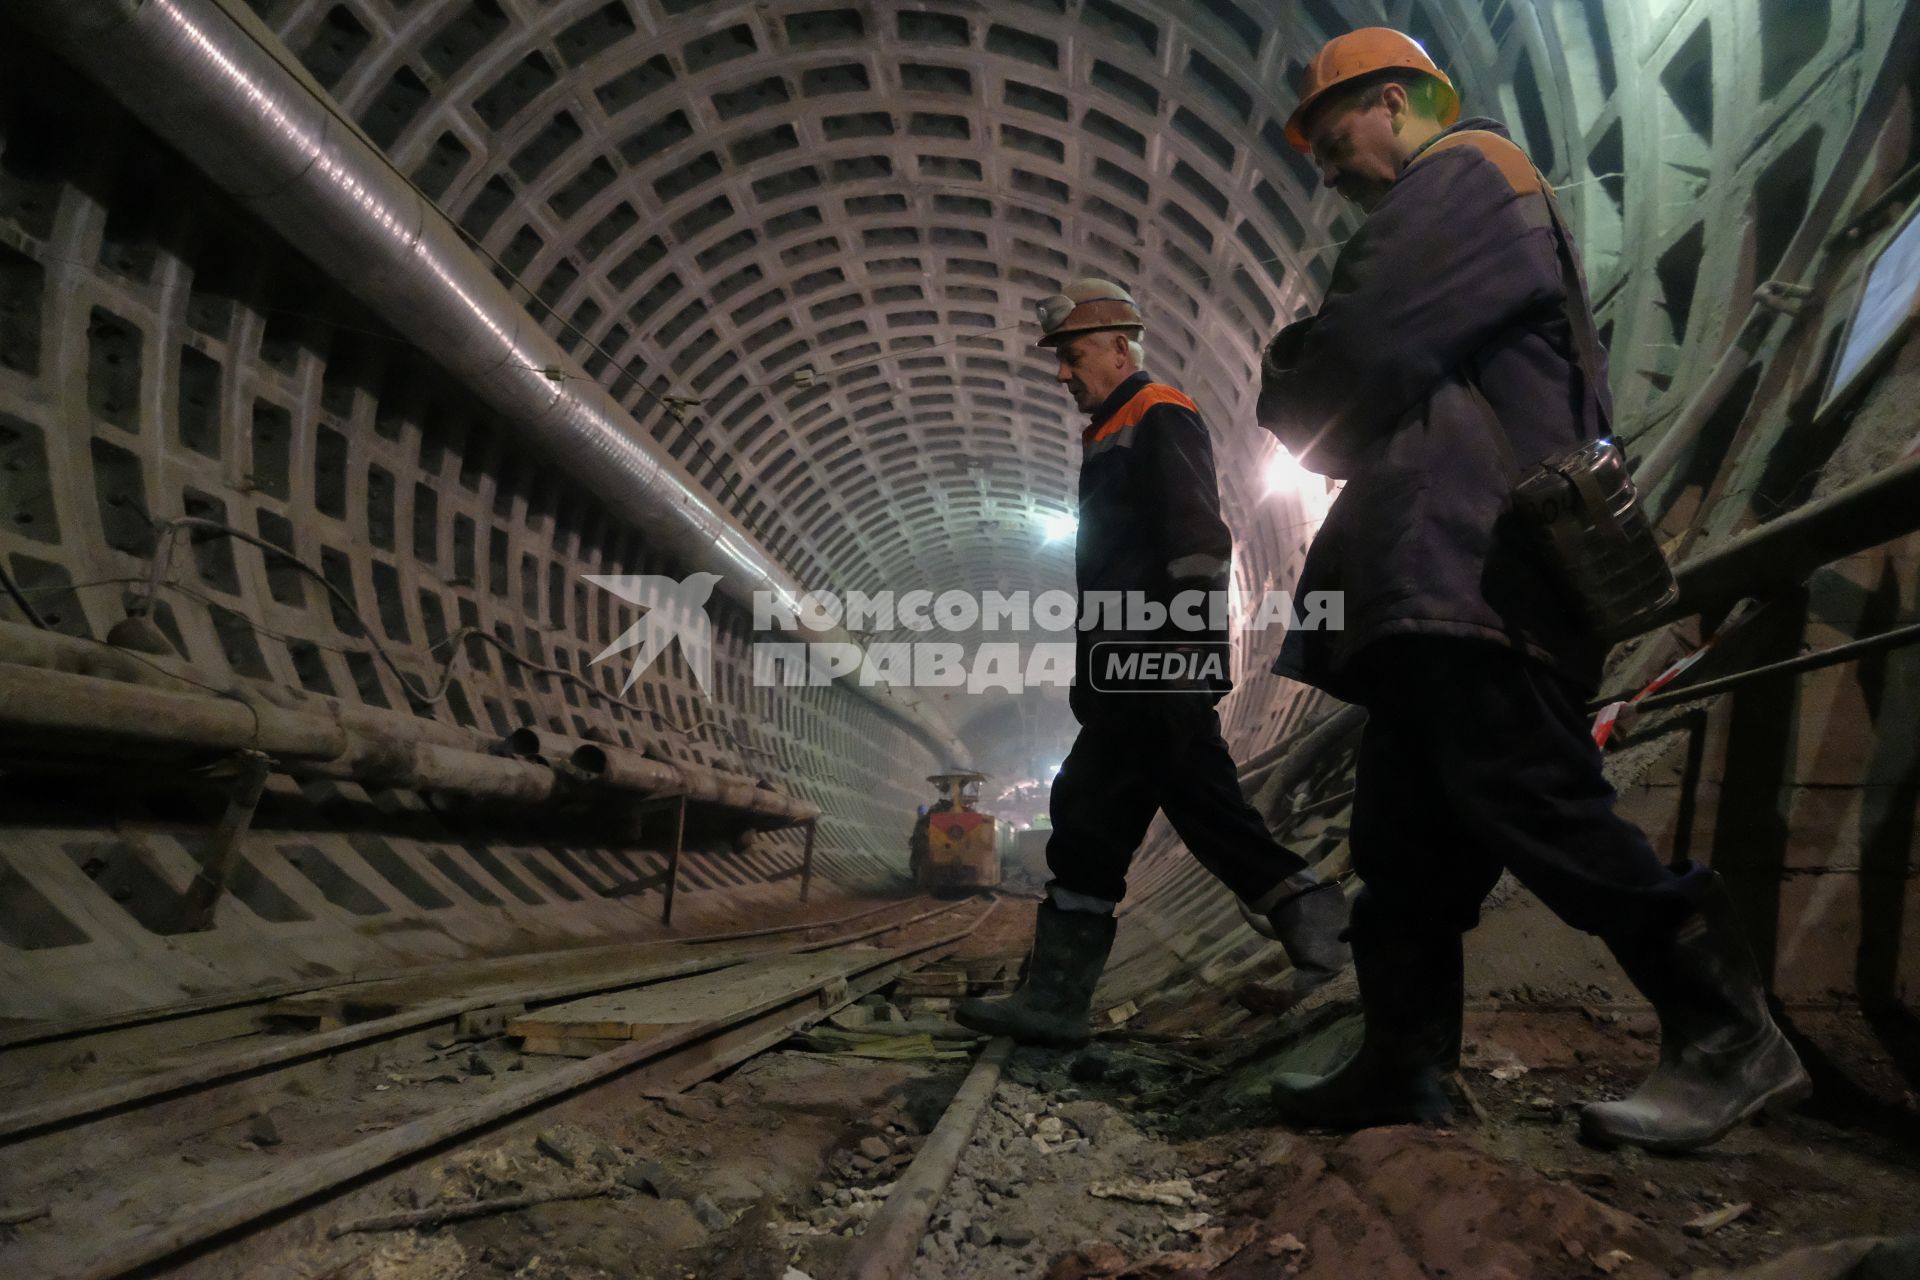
(162, 357)
(218, 379)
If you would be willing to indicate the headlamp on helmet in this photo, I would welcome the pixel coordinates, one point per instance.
(1086, 306)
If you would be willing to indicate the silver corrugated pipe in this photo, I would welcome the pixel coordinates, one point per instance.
(208, 78)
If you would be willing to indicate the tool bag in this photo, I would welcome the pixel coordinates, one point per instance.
(1580, 507)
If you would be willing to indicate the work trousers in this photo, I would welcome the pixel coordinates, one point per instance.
(1476, 758)
(1138, 754)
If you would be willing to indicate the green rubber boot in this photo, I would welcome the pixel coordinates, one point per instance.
(1411, 987)
(1307, 917)
(1050, 1007)
(1722, 1059)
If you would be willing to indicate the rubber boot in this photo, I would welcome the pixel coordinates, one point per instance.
(1722, 1059)
(1308, 918)
(1050, 1007)
(1411, 988)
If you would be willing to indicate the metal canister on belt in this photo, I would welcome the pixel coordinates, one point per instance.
(1586, 514)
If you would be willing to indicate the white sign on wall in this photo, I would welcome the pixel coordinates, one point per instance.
(1889, 303)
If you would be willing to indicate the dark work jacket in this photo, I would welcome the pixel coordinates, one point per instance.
(1439, 366)
(1149, 512)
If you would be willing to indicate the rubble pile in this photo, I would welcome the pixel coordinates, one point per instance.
(861, 1177)
(1048, 1169)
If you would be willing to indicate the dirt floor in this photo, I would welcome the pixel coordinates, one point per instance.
(1149, 1154)
(1140, 1159)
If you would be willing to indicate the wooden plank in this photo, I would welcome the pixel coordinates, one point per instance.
(328, 1010)
(193, 1224)
(945, 982)
(71, 1107)
(568, 1046)
(733, 1044)
(450, 973)
(629, 1015)
(75, 1106)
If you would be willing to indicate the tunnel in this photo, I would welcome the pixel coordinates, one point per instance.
(509, 508)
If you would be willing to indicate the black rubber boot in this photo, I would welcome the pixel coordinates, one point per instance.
(1722, 1059)
(1050, 1007)
(1411, 988)
(1308, 918)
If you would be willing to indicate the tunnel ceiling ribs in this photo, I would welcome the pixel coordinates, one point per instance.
(715, 200)
(154, 359)
(216, 376)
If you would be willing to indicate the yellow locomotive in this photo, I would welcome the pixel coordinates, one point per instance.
(954, 847)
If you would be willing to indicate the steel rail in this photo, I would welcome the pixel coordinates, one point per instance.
(1782, 552)
(823, 943)
(886, 1249)
(64, 1111)
(743, 934)
(89, 1104)
(36, 1033)
(209, 78)
(765, 1023)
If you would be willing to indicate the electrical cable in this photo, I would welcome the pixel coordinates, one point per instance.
(677, 406)
(20, 599)
(33, 616)
(163, 551)
(674, 405)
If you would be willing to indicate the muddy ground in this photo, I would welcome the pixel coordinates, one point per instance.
(1152, 1157)
(1150, 1154)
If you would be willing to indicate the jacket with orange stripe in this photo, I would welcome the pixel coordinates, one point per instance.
(1149, 507)
(1439, 365)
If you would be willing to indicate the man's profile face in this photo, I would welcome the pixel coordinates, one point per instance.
(1091, 366)
(1356, 147)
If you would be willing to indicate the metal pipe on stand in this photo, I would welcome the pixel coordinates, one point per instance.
(77, 696)
(44, 710)
(209, 78)
(1785, 551)
(1898, 637)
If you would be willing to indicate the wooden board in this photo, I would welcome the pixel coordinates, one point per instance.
(574, 1046)
(326, 1011)
(635, 1014)
(933, 982)
(508, 976)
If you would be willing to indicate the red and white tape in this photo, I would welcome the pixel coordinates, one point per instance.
(1608, 718)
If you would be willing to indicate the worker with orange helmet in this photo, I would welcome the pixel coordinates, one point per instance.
(1455, 349)
(1150, 537)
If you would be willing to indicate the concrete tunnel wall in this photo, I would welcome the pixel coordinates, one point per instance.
(706, 198)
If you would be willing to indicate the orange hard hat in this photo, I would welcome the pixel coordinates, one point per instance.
(1363, 53)
(1086, 306)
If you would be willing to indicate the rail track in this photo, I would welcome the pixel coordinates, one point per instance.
(58, 1031)
(141, 1171)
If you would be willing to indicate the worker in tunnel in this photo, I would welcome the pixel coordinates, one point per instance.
(1454, 347)
(1150, 537)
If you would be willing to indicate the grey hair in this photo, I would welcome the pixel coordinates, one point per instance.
(1136, 352)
